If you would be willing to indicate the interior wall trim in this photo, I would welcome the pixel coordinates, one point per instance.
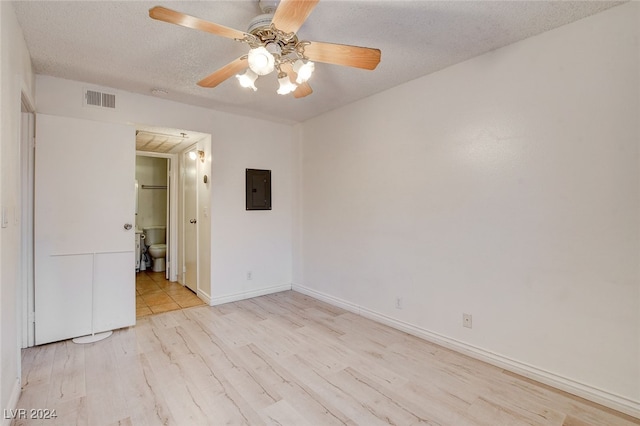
(248, 294)
(599, 396)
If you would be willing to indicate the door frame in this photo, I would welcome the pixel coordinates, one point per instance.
(27, 191)
(172, 206)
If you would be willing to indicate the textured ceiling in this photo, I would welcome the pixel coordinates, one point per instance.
(116, 44)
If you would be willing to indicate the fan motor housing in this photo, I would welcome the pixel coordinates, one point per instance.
(260, 22)
(267, 34)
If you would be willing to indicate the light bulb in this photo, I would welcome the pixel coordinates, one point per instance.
(304, 70)
(261, 61)
(248, 79)
(286, 86)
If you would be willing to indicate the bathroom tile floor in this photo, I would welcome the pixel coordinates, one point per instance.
(155, 294)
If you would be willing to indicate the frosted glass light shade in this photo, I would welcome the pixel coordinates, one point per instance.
(286, 86)
(248, 79)
(304, 70)
(261, 61)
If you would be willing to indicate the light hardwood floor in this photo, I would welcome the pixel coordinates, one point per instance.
(282, 359)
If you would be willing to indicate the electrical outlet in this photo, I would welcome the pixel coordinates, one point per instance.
(398, 302)
(467, 320)
(249, 275)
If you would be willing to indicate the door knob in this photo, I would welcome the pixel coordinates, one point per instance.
(127, 226)
(192, 221)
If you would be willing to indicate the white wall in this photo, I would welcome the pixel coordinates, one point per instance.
(505, 187)
(240, 240)
(15, 76)
(261, 240)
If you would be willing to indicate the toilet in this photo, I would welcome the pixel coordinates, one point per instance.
(155, 239)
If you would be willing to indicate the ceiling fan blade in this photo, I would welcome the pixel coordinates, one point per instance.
(303, 89)
(224, 73)
(343, 54)
(171, 16)
(291, 14)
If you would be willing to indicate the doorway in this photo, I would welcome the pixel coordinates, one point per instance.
(153, 213)
(187, 218)
(164, 180)
(156, 292)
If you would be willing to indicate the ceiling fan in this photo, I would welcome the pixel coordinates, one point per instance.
(275, 46)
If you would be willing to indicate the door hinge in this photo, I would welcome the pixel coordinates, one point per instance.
(32, 317)
(33, 143)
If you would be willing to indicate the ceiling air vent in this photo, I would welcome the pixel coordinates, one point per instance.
(96, 98)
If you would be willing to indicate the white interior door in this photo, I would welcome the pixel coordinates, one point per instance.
(190, 225)
(84, 201)
(169, 258)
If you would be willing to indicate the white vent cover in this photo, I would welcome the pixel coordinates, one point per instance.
(97, 98)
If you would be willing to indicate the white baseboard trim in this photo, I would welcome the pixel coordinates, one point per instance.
(599, 396)
(204, 296)
(12, 403)
(248, 294)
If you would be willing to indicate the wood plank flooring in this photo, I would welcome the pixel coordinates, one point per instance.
(282, 359)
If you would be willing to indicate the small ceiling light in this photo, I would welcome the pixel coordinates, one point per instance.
(196, 154)
(286, 86)
(304, 70)
(248, 79)
(261, 61)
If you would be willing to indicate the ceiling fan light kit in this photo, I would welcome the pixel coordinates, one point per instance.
(286, 86)
(275, 47)
(304, 69)
(248, 79)
(261, 61)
